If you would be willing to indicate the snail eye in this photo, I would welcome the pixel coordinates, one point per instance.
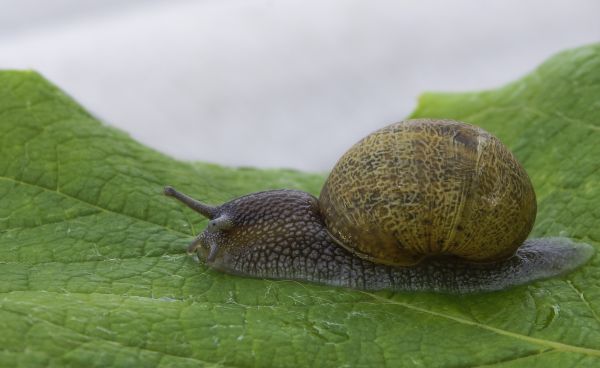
(221, 223)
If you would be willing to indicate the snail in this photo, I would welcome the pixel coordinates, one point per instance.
(420, 205)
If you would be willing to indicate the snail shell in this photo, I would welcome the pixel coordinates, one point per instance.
(429, 187)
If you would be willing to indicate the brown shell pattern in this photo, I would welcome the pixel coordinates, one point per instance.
(429, 187)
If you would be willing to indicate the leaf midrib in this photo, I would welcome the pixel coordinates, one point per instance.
(554, 345)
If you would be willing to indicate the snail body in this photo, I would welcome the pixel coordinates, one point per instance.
(420, 205)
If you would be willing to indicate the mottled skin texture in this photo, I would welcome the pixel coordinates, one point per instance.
(429, 187)
(280, 235)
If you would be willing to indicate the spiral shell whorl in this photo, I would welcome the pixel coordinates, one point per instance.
(429, 187)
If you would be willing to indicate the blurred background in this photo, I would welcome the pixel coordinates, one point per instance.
(279, 83)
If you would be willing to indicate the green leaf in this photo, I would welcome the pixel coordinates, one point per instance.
(94, 273)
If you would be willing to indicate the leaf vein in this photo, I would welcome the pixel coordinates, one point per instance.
(533, 340)
(21, 182)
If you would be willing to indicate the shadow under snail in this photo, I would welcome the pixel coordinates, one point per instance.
(420, 205)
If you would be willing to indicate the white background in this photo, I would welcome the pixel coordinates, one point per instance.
(278, 83)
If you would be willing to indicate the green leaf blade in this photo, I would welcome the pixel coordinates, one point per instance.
(94, 271)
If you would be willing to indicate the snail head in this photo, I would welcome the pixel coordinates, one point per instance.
(251, 229)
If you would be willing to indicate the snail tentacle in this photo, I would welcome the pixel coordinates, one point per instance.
(203, 209)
